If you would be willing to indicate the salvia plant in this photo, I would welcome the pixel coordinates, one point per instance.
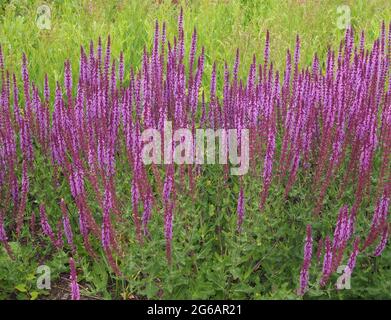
(330, 121)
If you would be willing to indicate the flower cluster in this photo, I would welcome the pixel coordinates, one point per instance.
(331, 119)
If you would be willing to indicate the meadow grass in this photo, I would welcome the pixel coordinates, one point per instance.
(222, 26)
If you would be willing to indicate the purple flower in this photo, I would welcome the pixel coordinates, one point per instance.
(267, 48)
(121, 68)
(135, 194)
(304, 273)
(181, 36)
(327, 262)
(75, 291)
(341, 232)
(76, 181)
(106, 224)
(382, 244)
(68, 81)
(192, 52)
(352, 259)
(268, 165)
(379, 220)
(26, 86)
(168, 183)
(18, 116)
(3, 235)
(46, 228)
(26, 140)
(67, 225)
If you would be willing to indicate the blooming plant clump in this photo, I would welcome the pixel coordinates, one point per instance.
(329, 122)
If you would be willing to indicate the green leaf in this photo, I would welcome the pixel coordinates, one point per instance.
(34, 295)
(30, 277)
(21, 287)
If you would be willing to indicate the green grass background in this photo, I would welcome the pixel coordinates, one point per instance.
(222, 26)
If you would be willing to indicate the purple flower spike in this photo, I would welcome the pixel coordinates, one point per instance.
(75, 291)
(67, 225)
(3, 235)
(46, 228)
(327, 262)
(383, 241)
(353, 257)
(304, 273)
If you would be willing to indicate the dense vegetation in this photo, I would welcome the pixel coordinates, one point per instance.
(76, 196)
